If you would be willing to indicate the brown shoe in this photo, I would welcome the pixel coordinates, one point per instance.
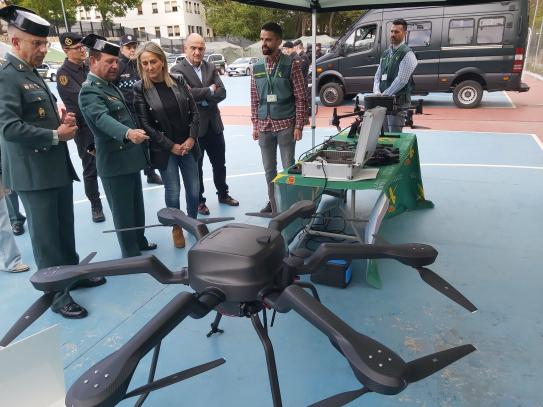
(178, 238)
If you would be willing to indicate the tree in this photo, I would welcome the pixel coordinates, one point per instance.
(110, 8)
(51, 10)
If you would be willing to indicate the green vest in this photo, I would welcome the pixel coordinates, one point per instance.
(278, 83)
(390, 65)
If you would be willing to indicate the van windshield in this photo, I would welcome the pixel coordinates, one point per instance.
(362, 39)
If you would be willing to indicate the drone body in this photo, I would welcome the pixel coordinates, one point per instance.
(242, 270)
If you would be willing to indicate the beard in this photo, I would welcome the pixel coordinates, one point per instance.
(267, 51)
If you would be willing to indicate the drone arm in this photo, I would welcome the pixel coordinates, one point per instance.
(106, 382)
(301, 209)
(172, 216)
(411, 254)
(63, 277)
(362, 352)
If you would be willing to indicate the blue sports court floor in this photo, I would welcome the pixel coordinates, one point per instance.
(486, 225)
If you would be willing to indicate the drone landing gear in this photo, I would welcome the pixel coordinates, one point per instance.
(215, 325)
(270, 359)
(152, 371)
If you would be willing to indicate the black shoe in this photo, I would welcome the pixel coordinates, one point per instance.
(89, 282)
(18, 229)
(154, 178)
(203, 209)
(72, 310)
(228, 200)
(98, 215)
(150, 246)
(267, 208)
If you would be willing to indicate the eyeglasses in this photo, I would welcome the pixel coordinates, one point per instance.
(37, 43)
(78, 47)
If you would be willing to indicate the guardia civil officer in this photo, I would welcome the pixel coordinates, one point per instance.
(394, 75)
(71, 75)
(127, 76)
(120, 154)
(35, 158)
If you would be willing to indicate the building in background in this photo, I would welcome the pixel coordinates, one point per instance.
(162, 18)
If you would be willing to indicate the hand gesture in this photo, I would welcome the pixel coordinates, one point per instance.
(137, 136)
(66, 132)
(67, 118)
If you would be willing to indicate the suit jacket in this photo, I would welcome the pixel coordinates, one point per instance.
(109, 119)
(210, 116)
(28, 116)
(154, 120)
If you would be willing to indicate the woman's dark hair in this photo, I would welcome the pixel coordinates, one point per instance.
(402, 22)
(274, 28)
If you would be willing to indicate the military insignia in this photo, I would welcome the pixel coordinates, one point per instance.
(68, 41)
(129, 37)
(21, 66)
(25, 85)
(63, 80)
(41, 112)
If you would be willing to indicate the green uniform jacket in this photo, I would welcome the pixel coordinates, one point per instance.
(108, 117)
(28, 116)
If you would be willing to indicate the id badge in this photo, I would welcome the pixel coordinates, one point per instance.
(271, 98)
(384, 77)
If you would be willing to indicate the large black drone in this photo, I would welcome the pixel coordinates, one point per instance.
(240, 270)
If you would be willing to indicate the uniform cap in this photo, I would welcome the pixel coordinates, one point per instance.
(25, 20)
(101, 44)
(68, 39)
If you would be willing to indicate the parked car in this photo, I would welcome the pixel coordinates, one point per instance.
(48, 71)
(242, 66)
(461, 49)
(218, 60)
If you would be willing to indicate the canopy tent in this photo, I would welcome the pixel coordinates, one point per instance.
(324, 40)
(253, 50)
(327, 6)
(230, 51)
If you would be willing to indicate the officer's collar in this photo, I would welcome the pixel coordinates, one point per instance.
(394, 48)
(97, 79)
(73, 66)
(20, 64)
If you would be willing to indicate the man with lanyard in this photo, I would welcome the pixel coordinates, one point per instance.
(278, 106)
(120, 154)
(35, 158)
(394, 75)
(71, 75)
(127, 76)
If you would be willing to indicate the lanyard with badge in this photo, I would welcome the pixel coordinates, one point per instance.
(271, 97)
(387, 61)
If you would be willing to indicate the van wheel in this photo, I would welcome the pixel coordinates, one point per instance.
(222, 70)
(53, 77)
(248, 72)
(331, 94)
(468, 94)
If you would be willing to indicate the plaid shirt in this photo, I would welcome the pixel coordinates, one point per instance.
(298, 89)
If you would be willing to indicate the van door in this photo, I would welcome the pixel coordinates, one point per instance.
(424, 38)
(361, 52)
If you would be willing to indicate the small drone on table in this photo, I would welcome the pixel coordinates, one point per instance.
(241, 270)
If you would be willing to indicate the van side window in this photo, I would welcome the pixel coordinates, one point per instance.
(490, 30)
(362, 39)
(461, 31)
(419, 34)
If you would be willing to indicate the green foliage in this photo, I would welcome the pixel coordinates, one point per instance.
(51, 10)
(110, 8)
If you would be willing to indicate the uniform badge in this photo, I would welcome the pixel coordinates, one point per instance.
(68, 41)
(63, 79)
(26, 86)
(41, 112)
(20, 66)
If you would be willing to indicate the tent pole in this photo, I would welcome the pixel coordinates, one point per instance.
(313, 74)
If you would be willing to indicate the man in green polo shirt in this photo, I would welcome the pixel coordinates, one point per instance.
(394, 75)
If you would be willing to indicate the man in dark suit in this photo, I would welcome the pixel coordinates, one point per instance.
(71, 75)
(35, 158)
(120, 154)
(208, 91)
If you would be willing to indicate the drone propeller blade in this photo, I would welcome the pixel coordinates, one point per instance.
(207, 221)
(438, 283)
(421, 368)
(175, 378)
(173, 216)
(88, 259)
(31, 314)
(266, 215)
(105, 383)
(63, 277)
(341, 399)
(378, 239)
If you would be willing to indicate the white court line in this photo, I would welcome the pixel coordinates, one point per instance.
(519, 167)
(249, 174)
(537, 141)
(415, 131)
(509, 99)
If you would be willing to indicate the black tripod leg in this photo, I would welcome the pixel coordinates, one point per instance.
(215, 325)
(313, 289)
(152, 371)
(270, 360)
